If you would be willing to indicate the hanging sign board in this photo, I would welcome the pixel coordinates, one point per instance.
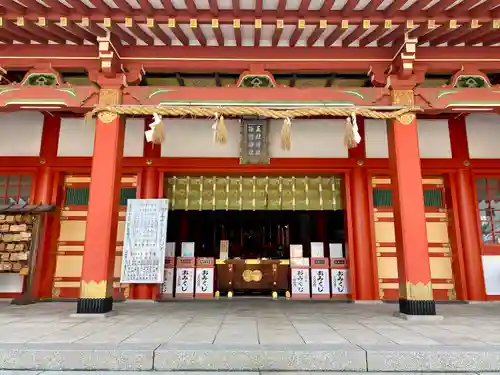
(254, 142)
(145, 241)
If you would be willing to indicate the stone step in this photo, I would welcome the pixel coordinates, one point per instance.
(206, 357)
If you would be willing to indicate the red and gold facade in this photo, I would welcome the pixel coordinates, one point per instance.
(416, 231)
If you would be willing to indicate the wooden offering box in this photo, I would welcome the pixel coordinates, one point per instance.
(252, 275)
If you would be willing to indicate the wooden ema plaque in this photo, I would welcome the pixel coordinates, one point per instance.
(340, 278)
(184, 280)
(205, 274)
(320, 278)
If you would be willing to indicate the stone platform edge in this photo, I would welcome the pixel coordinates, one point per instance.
(207, 357)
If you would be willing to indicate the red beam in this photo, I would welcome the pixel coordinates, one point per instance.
(461, 31)
(348, 8)
(313, 38)
(277, 35)
(81, 33)
(441, 31)
(417, 7)
(326, 7)
(23, 33)
(214, 7)
(101, 6)
(463, 7)
(392, 36)
(123, 35)
(236, 7)
(146, 7)
(334, 36)
(198, 33)
(374, 35)
(247, 17)
(54, 5)
(474, 35)
(439, 7)
(353, 36)
(371, 7)
(78, 6)
(304, 7)
(62, 33)
(160, 34)
(259, 5)
(191, 7)
(281, 8)
(179, 34)
(46, 34)
(218, 36)
(141, 34)
(169, 8)
(36, 7)
(12, 6)
(96, 29)
(13, 36)
(482, 9)
(420, 31)
(491, 40)
(294, 38)
(123, 5)
(393, 8)
(237, 36)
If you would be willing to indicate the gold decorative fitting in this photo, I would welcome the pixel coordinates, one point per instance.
(42, 161)
(107, 117)
(252, 275)
(149, 162)
(215, 23)
(404, 98)
(360, 162)
(93, 289)
(416, 292)
(467, 163)
(344, 24)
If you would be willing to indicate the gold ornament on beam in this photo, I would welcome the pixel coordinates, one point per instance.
(220, 131)
(286, 135)
(156, 132)
(352, 137)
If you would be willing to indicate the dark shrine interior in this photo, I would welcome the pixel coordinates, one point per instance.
(255, 234)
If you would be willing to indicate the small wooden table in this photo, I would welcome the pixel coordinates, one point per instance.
(239, 275)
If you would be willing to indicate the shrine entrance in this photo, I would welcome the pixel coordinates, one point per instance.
(253, 226)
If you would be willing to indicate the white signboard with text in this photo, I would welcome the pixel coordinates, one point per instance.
(340, 281)
(320, 283)
(145, 241)
(300, 282)
(184, 284)
(204, 281)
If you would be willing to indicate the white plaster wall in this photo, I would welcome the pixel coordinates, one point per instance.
(483, 133)
(434, 139)
(194, 138)
(310, 139)
(77, 137)
(376, 139)
(21, 133)
(491, 273)
(11, 283)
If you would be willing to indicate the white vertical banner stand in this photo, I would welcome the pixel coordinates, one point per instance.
(167, 288)
(300, 278)
(204, 287)
(184, 283)
(320, 278)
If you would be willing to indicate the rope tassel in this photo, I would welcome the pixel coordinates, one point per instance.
(286, 135)
(352, 137)
(220, 131)
(156, 134)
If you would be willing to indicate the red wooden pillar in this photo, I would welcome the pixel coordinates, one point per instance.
(362, 252)
(415, 287)
(96, 289)
(44, 188)
(149, 190)
(469, 229)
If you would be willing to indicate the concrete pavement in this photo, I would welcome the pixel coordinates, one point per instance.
(249, 335)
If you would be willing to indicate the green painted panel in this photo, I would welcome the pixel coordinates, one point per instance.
(432, 198)
(126, 194)
(77, 196)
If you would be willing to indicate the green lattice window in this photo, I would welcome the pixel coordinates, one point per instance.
(432, 198)
(79, 196)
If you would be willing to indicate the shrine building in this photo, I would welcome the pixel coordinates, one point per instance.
(354, 137)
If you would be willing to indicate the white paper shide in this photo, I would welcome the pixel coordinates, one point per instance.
(145, 241)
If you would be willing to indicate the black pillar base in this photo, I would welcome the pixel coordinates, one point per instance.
(94, 305)
(413, 307)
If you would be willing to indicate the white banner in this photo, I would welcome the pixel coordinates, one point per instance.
(167, 288)
(185, 281)
(340, 281)
(300, 281)
(320, 281)
(204, 281)
(145, 241)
